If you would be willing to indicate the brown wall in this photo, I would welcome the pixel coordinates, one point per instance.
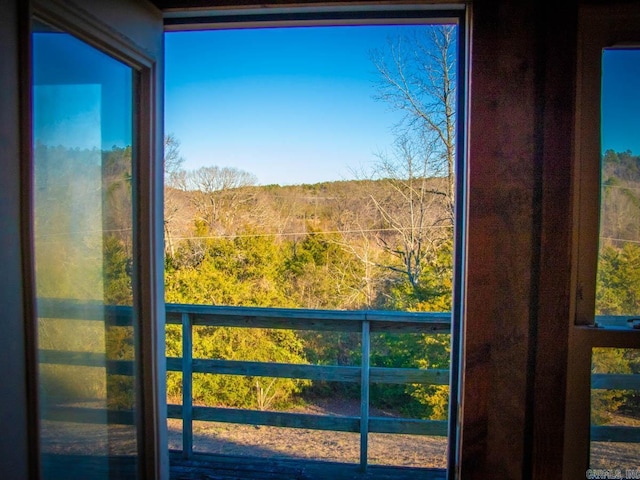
(518, 293)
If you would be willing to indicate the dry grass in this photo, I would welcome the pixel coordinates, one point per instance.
(292, 443)
(247, 440)
(616, 455)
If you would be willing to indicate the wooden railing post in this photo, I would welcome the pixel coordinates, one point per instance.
(364, 396)
(187, 387)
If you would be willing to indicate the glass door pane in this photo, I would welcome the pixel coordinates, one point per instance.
(615, 380)
(618, 285)
(615, 411)
(84, 199)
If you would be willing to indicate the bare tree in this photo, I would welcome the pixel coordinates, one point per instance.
(418, 77)
(415, 217)
(358, 242)
(211, 191)
(216, 192)
(174, 180)
(173, 172)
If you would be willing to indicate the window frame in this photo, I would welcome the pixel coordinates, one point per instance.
(458, 13)
(599, 27)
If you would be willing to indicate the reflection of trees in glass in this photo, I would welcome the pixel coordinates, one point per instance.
(82, 222)
(68, 223)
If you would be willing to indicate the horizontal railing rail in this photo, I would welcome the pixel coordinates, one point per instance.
(304, 319)
(363, 322)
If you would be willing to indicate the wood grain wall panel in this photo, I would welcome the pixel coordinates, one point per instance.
(502, 239)
(557, 60)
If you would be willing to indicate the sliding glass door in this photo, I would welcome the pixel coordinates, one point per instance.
(83, 144)
(95, 163)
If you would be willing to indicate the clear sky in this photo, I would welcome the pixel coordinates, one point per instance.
(621, 100)
(290, 105)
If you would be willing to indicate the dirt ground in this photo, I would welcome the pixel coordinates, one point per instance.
(263, 441)
(384, 449)
(617, 455)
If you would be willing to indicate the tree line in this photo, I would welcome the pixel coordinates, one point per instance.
(618, 277)
(323, 246)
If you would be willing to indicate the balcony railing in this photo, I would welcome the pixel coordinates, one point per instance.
(363, 322)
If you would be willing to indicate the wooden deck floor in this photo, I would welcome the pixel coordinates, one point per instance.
(208, 467)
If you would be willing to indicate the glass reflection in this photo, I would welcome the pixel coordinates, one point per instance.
(82, 134)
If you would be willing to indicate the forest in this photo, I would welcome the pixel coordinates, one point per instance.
(383, 241)
(618, 276)
(380, 241)
(337, 245)
(334, 246)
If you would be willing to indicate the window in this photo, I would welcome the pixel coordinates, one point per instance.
(312, 168)
(615, 390)
(83, 142)
(618, 270)
(603, 375)
(92, 172)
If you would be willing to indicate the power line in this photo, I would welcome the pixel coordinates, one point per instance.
(619, 187)
(620, 240)
(247, 235)
(82, 232)
(292, 234)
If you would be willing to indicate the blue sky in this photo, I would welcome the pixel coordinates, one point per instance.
(621, 100)
(290, 105)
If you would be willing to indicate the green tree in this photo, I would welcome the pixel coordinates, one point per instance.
(240, 271)
(319, 272)
(618, 282)
(247, 344)
(606, 403)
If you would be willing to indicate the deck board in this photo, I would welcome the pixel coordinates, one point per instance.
(218, 467)
(228, 467)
